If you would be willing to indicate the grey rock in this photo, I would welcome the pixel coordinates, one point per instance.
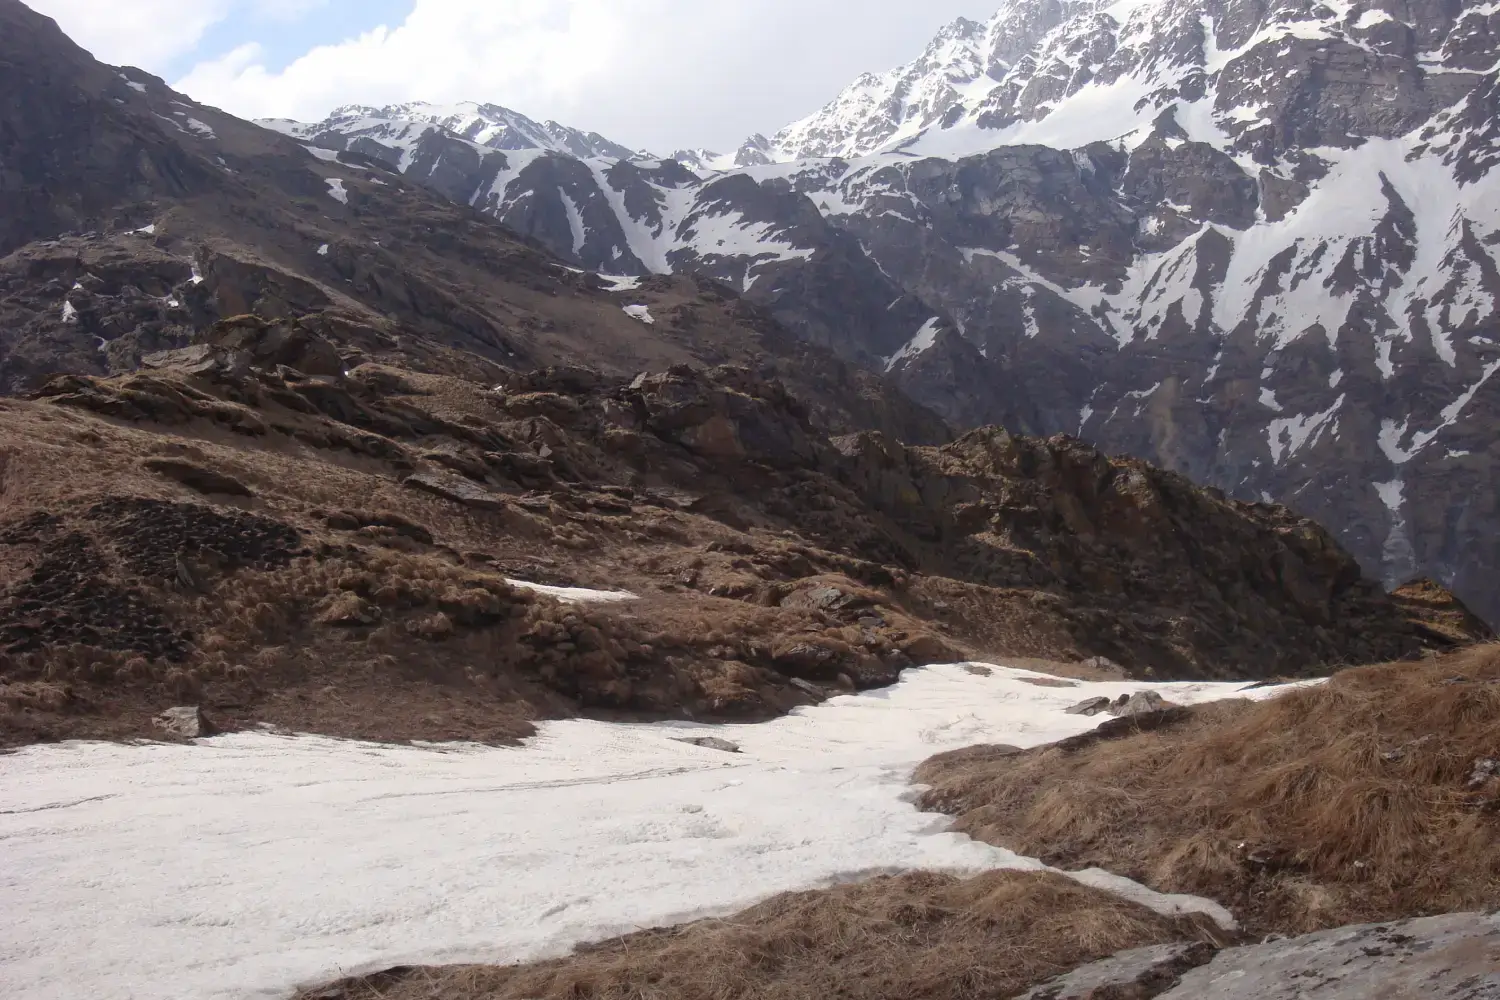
(187, 722)
(710, 743)
(808, 687)
(198, 359)
(1090, 706)
(455, 488)
(1450, 957)
(1485, 769)
(1130, 975)
(1138, 704)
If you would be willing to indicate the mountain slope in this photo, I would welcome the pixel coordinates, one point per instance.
(305, 403)
(147, 217)
(1254, 242)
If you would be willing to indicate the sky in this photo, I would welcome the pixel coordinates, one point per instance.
(652, 74)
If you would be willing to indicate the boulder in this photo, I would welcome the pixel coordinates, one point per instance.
(266, 344)
(1450, 957)
(807, 687)
(186, 722)
(1090, 706)
(1131, 975)
(806, 656)
(710, 743)
(455, 488)
(1139, 703)
(199, 359)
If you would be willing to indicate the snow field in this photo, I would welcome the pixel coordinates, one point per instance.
(249, 864)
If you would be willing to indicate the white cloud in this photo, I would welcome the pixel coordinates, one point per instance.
(152, 34)
(145, 33)
(656, 74)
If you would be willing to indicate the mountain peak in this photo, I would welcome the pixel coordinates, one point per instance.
(484, 124)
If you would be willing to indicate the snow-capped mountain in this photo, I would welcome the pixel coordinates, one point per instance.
(955, 70)
(487, 125)
(1253, 241)
(753, 152)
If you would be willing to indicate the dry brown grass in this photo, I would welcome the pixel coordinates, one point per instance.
(1331, 805)
(920, 935)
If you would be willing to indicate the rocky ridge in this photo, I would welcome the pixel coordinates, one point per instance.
(213, 533)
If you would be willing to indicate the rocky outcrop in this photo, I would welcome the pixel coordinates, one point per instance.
(1450, 957)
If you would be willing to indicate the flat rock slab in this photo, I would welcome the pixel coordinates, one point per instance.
(455, 488)
(1451, 957)
(710, 743)
(1131, 975)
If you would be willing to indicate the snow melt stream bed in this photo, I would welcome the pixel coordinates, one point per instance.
(249, 864)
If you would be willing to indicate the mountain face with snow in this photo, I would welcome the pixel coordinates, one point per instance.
(487, 125)
(1256, 242)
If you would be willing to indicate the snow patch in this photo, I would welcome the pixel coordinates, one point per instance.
(336, 190)
(640, 312)
(253, 863)
(620, 282)
(575, 221)
(919, 344)
(1289, 435)
(577, 595)
(1392, 433)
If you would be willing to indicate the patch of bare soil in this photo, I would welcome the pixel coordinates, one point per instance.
(1371, 798)
(921, 935)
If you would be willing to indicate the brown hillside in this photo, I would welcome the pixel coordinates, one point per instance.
(294, 549)
(1371, 798)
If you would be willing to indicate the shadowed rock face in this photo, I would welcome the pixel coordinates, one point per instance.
(1255, 243)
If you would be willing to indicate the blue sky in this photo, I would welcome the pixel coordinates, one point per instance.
(287, 33)
(652, 74)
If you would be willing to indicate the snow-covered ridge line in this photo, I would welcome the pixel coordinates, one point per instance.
(250, 864)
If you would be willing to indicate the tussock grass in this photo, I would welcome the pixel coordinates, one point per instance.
(1342, 803)
(921, 935)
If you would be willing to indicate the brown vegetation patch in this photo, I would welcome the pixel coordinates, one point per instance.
(1365, 799)
(921, 935)
(776, 567)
